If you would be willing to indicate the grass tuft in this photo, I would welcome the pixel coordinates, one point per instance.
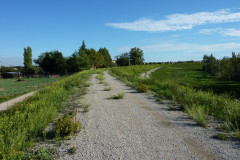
(142, 88)
(220, 136)
(120, 95)
(107, 88)
(72, 150)
(197, 113)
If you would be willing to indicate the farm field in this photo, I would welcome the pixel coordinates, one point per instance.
(196, 92)
(11, 88)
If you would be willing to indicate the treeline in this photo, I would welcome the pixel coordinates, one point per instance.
(226, 68)
(54, 62)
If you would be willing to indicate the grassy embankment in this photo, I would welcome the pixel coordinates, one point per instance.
(22, 124)
(197, 92)
(11, 88)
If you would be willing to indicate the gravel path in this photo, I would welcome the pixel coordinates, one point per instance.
(147, 74)
(137, 127)
(6, 105)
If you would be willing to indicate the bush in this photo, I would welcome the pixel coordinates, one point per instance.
(67, 125)
(142, 88)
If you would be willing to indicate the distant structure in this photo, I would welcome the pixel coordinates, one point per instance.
(12, 74)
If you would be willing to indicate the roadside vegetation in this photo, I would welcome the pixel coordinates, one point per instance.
(24, 123)
(11, 88)
(197, 92)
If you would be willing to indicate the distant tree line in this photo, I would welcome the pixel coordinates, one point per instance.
(226, 68)
(133, 57)
(55, 62)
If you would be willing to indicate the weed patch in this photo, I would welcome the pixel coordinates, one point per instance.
(41, 154)
(107, 88)
(142, 88)
(120, 95)
(220, 136)
(197, 113)
(72, 150)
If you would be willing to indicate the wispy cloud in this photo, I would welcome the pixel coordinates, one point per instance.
(226, 32)
(179, 21)
(187, 48)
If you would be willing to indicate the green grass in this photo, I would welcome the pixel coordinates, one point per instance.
(221, 136)
(120, 95)
(107, 88)
(22, 124)
(11, 88)
(191, 75)
(41, 153)
(100, 77)
(197, 92)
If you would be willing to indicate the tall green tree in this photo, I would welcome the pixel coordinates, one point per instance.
(107, 60)
(52, 62)
(84, 61)
(28, 67)
(73, 63)
(96, 58)
(82, 48)
(123, 59)
(136, 56)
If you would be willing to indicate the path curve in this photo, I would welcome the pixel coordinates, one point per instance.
(136, 127)
(5, 105)
(147, 74)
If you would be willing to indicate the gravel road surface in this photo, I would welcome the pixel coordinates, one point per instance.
(137, 127)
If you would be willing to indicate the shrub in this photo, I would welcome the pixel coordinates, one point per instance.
(67, 125)
(142, 88)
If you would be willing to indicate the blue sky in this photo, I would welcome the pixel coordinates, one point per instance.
(169, 30)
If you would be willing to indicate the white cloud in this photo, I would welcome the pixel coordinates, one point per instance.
(187, 48)
(179, 21)
(226, 32)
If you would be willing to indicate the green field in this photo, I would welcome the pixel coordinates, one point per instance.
(196, 92)
(10, 88)
(191, 75)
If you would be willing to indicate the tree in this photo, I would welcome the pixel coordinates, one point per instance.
(85, 62)
(95, 57)
(82, 48)
(107, 60)
(136, 56)
(123, 59)
(28, 68)
(73, 63)
(52, 62)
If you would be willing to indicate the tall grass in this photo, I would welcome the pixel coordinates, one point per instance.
(196, 102)
(21, 124)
